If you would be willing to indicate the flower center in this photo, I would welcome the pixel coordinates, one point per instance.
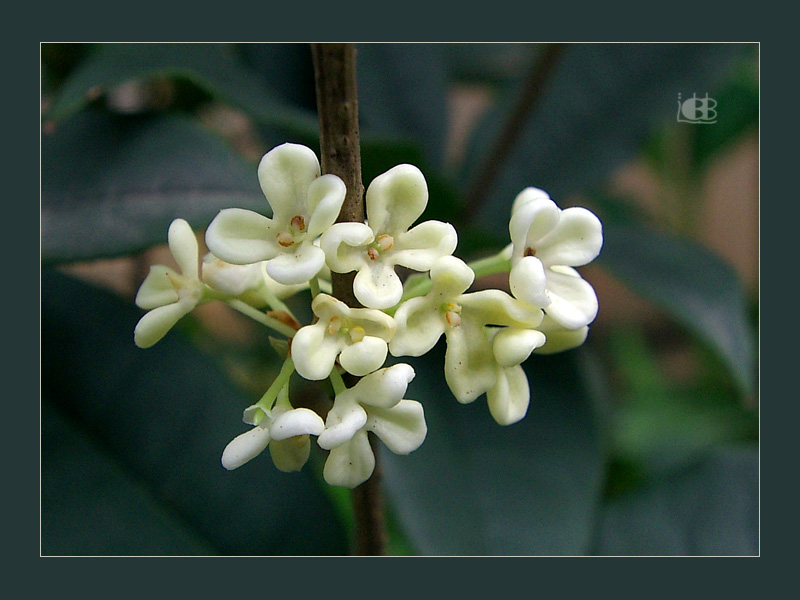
(530, 252)
(384, 243)
(337, 325)
(452, 313)
(297, 225)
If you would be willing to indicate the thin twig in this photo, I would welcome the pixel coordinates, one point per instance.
(529, 98)
(337, 104)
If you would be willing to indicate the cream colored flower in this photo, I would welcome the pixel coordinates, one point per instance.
(394, 201)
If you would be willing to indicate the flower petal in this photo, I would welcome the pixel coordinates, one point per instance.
(469, 366)
(291, 454)
(532, 220)
(314, 351)
(396, 199)
(350, 464)
(245, 447)
(451, 277)
(364, 357)
(293, 268)
(325, 197)
(508, 400)
(242, 236)
(560, 338)
(513, 345)
(345, 246)
(418, 248)
(285, 173)
(419, 326)
(294, 422)
(376, 285)
(155, 324)
(402, 428)
(526, 195)
(575, 241)
(573, 302)
(343, 421)
(528, 282)
(385, 387)
(157, 289)
(184, 248)
(495, 307)
(229, 278)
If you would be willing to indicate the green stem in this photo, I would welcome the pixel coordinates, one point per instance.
(262, 318)
(313, 285)
(337, 382)
(281, 381)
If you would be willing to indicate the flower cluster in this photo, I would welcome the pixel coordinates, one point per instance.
(256, 261)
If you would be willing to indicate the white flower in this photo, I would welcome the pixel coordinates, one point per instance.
(546, 243)
(394, 201)
(236, 280)
(508, 399)
(166, 294)
(374, 404)
(559, 338)
(357, 336)
(284, 429)
(304, 204)
(471, 366)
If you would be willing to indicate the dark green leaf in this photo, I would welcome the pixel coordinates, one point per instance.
(111, 185)
(689, 283)
(710, 509)
(476, 488)
(214, 68)
(595, 113)
(165, 414)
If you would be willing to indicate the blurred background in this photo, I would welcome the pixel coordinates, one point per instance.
(644, 441)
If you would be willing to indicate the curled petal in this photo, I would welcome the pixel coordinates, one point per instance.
(402, 428)
(532, 220)
(560, 338)
(495, 307)
(573, 302)
(313, 352)
(419, 326)
(508, 400)
(158, 289)
(183, 245)
(345, 244)
(451, 276)
(291, 454)
(229, 278)
(396, 199)
(383, 388)
(245, 447)
(528, 282)
(365, 356)
(293, 268)
(242, 236)
(350, 464)
(575, 241)
(325, 197)
(469, 367)
(285, 173)
(418, 248)
(155, 324)
(295, 422)
(343, 421)
(526, 195)
(376, 285)
(512, 345)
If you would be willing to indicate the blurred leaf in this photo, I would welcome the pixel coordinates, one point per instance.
(476, 488)
(165, 414)
(710, 509)
(660, 425)
(111, 185)
(690, 284)
(93, 506)
(494, 63)
(402, 94)
(214, 68)
(594, 114)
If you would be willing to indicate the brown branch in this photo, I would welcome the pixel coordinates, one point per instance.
(337, 104)
(529, 98)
